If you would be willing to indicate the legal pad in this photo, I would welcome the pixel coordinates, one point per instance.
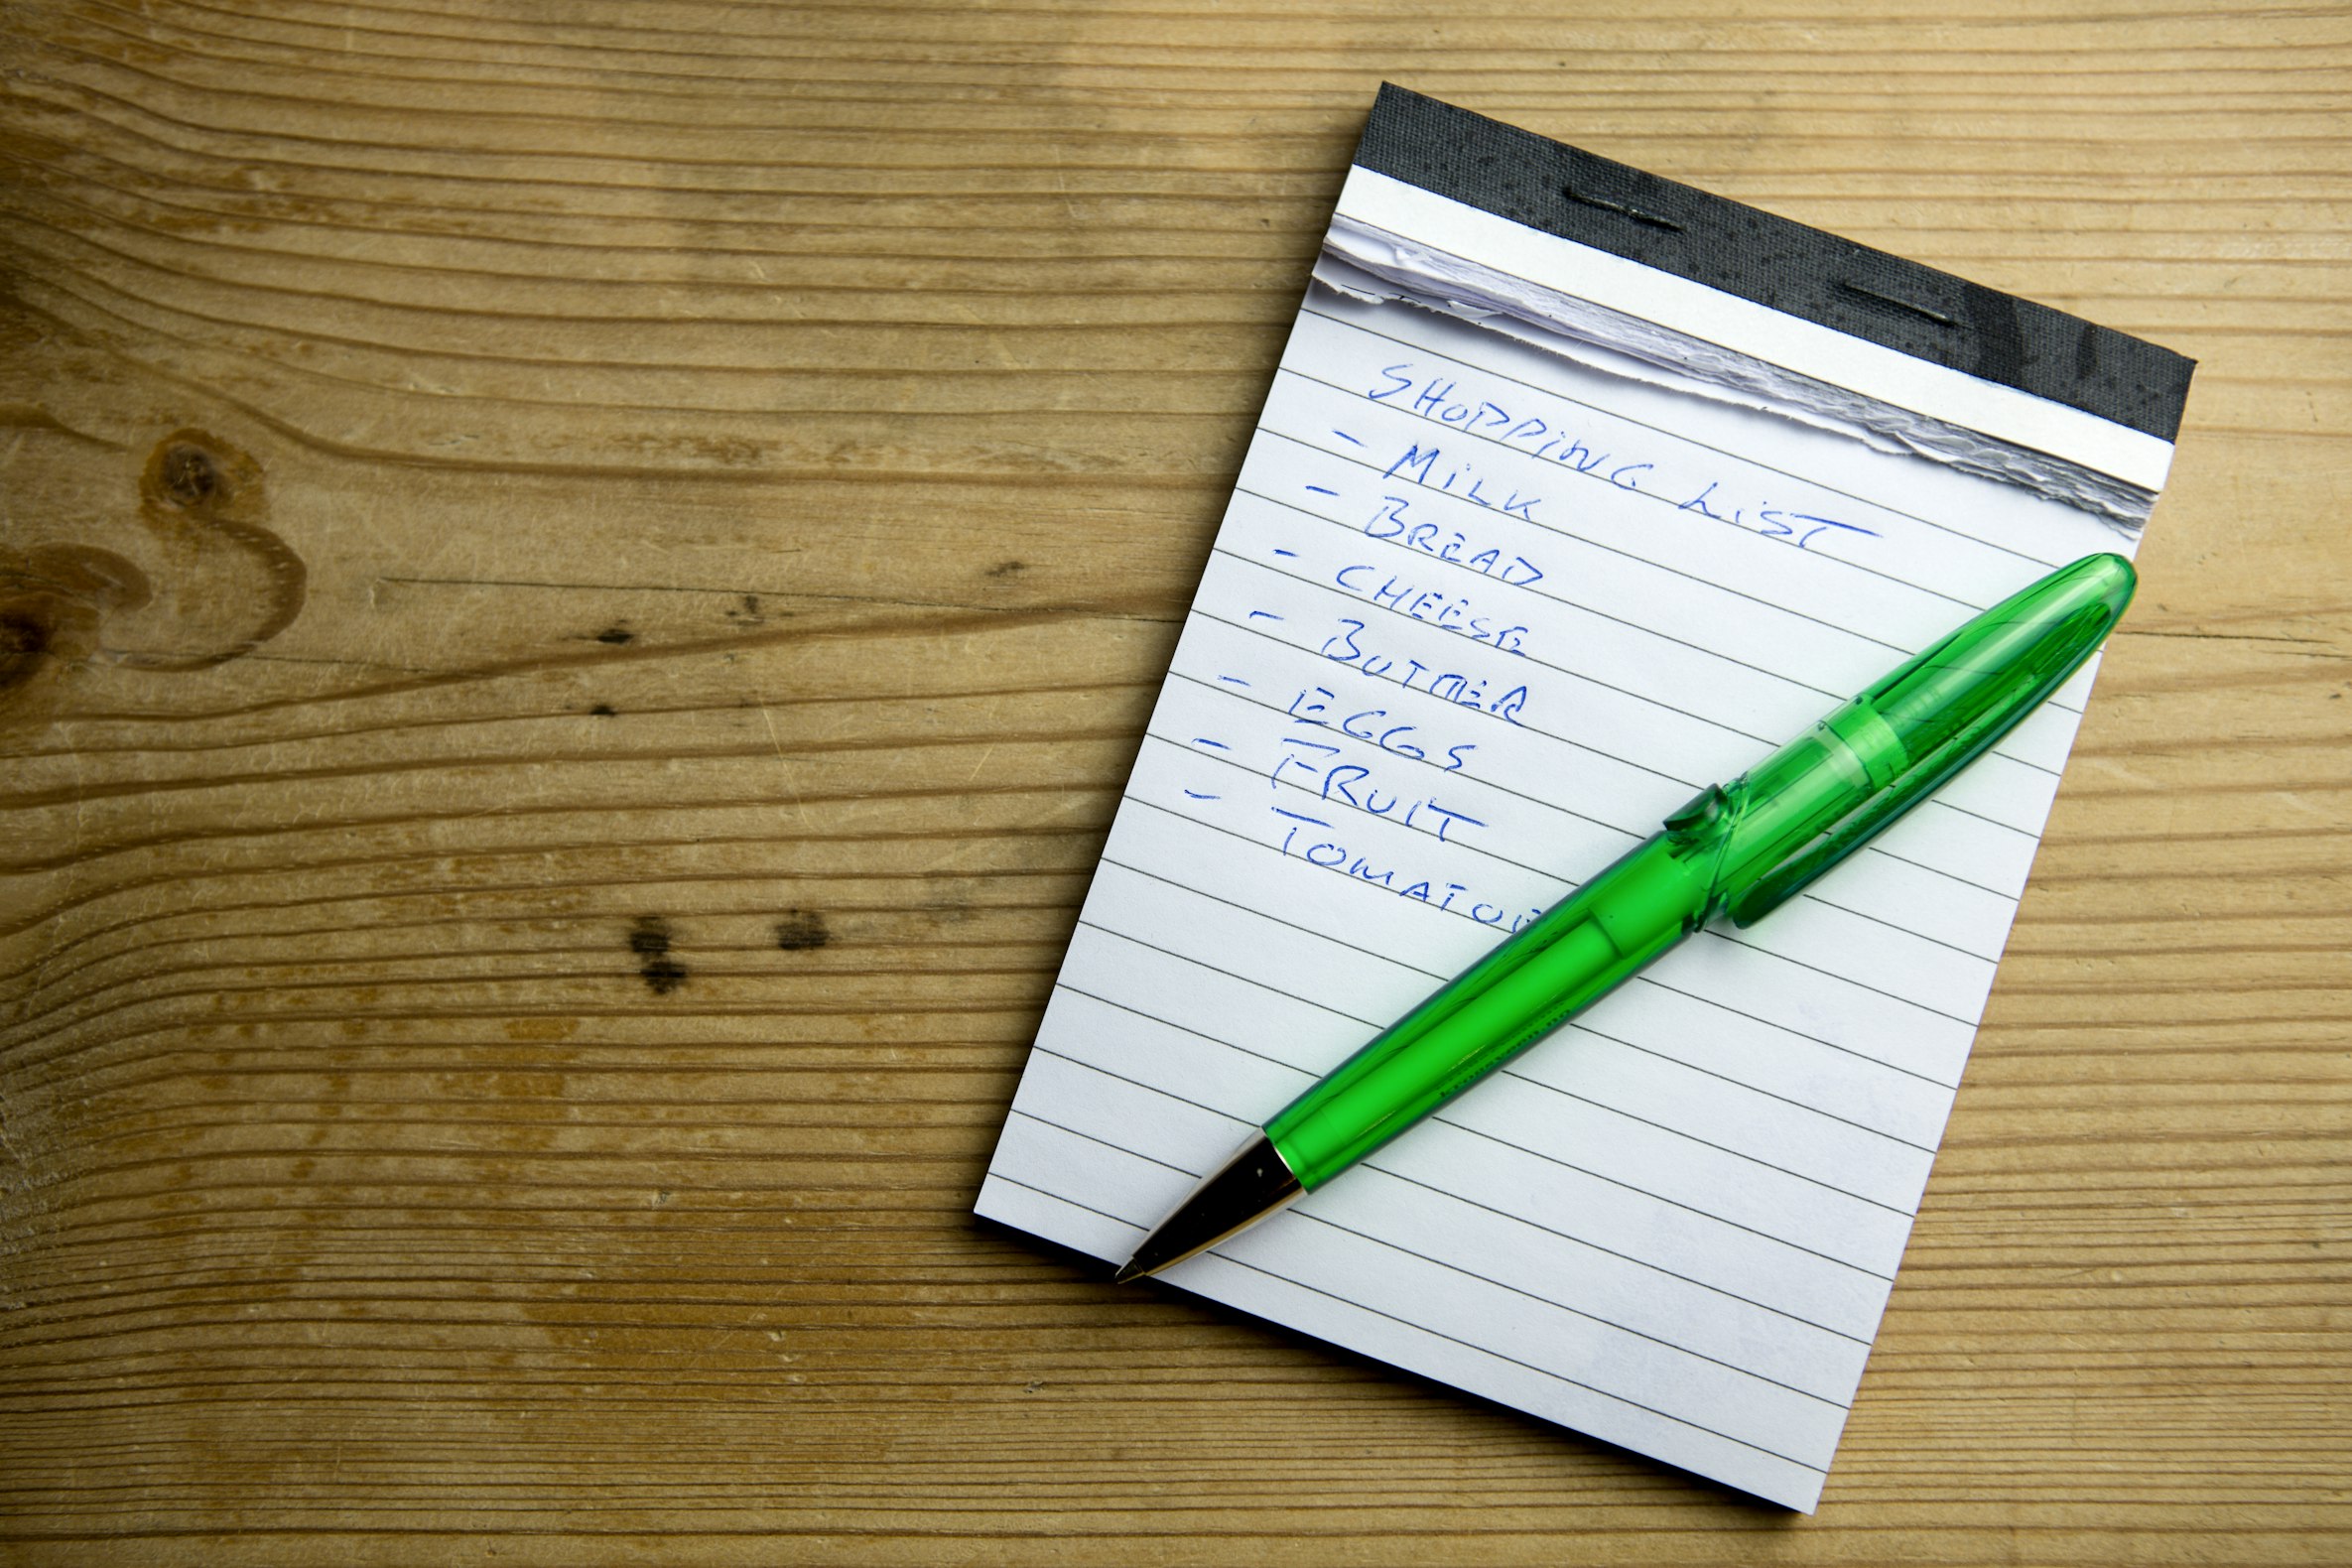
(1576, 491)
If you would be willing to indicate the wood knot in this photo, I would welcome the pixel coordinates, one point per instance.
(188, 475)
(51, 601)
(25, 640)
(192, 473)
(199, 493)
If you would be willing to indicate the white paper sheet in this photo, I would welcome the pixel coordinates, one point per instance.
(1478, 618)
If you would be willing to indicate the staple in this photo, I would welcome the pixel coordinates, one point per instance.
(1923, 312)
(1634, 213)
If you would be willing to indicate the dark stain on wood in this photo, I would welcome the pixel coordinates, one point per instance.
(802, 931)
(649, 938)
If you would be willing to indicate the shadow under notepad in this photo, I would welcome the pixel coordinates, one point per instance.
(1632, 1466)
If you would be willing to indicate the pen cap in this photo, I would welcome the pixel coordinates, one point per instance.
(1824, 795)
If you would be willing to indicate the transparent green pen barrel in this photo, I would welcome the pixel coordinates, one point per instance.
(1562, 961)
(1742, 848)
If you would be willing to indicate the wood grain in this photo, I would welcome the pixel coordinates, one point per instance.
(577, 583)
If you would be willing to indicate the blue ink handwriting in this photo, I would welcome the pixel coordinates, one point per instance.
(1438, 397)
(1421, 466)
(1347, 646)
(1446, 611)
(1371, 726)
(1448, 544)
(1803, 527)
(1333, 856)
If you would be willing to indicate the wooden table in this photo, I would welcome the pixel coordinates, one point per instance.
(578, 584)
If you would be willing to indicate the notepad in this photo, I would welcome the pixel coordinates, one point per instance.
(1575, 492)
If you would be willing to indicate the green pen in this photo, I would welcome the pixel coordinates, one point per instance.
(1741, 848)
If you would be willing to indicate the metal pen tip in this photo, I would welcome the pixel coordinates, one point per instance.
(1248, 1186)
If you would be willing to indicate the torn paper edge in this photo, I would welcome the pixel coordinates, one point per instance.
(1672, 332)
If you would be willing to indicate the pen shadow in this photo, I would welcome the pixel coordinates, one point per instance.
(1697, 1489)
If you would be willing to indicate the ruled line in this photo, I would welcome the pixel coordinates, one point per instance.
(1477, 714)
(1491, 1283)
(1515, 1073)
(1375, 1164)
(1707, 932)
(1344, 597)
(1343, 805)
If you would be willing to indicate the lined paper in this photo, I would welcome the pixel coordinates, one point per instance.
(1477, 619)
